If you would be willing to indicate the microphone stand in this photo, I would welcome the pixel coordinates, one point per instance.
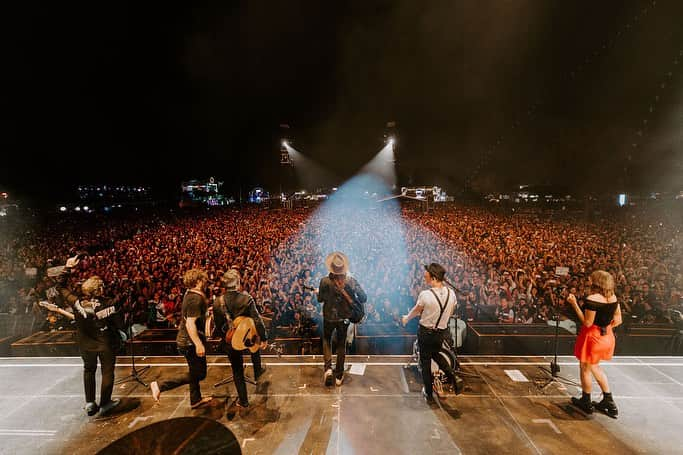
(134, 373)
(555, 378)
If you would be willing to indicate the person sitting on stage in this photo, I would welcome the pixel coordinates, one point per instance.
(600, 314)
(190, 340)
(99, 330)
(227, 308)
(337, 292)
(435, 307)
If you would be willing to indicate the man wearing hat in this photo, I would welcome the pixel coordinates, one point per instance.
(230, 306)
(435, 307)
(337, 292)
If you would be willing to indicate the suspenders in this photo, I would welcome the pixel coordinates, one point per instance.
(442, 307)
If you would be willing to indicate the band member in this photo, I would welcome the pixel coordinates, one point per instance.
(226, 308)
(98, 328)
(190, 340)
(435, 307)
(337, 292)
(600, 314)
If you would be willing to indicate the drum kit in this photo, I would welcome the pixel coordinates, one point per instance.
(448, 351)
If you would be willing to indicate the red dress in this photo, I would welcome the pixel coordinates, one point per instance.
(591, 345)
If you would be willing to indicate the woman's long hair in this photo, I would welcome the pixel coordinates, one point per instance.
(603, 283)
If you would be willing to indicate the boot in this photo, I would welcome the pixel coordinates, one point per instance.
(607, 405)
(583, 403)
(91, 408)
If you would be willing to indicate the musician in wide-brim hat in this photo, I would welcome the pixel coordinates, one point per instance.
(335, 292)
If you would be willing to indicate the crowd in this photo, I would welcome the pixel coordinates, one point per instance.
(507, 267)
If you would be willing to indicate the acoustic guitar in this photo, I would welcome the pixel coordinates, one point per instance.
(244, 335)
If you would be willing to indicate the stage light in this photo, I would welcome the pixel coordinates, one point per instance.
(383, 165)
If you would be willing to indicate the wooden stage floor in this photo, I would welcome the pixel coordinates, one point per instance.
(378, 412)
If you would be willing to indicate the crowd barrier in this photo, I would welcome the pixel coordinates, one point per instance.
(479, 338)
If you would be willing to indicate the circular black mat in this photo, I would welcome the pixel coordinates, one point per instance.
(184, 435)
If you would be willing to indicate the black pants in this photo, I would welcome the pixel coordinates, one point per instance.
(196, 373)
(429, 342)
(237, 363)
(329, 327)
(107, 362)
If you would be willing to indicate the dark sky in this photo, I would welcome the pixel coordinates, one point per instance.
(494, 92)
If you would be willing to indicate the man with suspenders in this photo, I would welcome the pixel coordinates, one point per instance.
(435, 307)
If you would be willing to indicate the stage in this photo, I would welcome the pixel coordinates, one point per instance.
(379, 411)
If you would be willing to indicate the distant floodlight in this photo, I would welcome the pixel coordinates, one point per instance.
(62, 209)
(391, 141)
(621, 200)
(284, 143)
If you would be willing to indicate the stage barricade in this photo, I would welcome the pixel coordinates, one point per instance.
(17, 325)
(382, 338)
(516, 339)
(387, 339)
(539, 339)
(649, 339)
(47, 344)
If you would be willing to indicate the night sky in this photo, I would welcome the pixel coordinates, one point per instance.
(493, 93)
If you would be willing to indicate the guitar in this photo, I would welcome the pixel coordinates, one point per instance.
(52, 307)
(244, 335)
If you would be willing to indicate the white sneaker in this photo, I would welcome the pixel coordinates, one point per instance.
(156, 392)
(339, 381)
(328, 377)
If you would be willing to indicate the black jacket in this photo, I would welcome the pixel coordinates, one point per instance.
(97, 328)
(232, 305)
(335, 306)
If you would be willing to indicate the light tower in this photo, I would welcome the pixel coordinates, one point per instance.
(285, 141)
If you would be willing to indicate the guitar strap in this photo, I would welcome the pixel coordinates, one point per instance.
(441, 307)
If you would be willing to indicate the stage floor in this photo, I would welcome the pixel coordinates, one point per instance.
(380, 411)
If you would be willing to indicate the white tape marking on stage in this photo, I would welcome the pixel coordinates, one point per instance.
(404, 383)
(29, 433)
(358, 368)
(138, 419)
(275, 364)
(549, 423)
(352, 357)
(516, 375)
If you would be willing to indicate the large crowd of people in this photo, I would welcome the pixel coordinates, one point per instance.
(507, 267)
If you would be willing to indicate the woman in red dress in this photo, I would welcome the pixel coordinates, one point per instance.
(599, 315)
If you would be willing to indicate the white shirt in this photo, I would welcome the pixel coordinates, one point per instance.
(431, 308)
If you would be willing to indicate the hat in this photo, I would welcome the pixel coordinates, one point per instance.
(436, 271)
(337, 263)
(231, 279)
